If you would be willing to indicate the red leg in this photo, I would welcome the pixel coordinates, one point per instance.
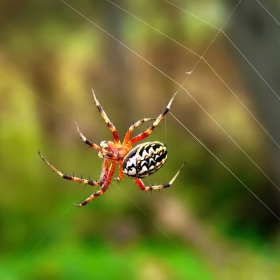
(107, 120)
(130, 130)
(142, 186)
(105, 185)
(121, 174)
(155, 123)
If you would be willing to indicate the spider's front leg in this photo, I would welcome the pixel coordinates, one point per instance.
(107, 120)
(69, 177)
(87, 141)
(91, 144)
(142, 186)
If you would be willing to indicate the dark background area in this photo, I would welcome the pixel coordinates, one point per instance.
(209, 224)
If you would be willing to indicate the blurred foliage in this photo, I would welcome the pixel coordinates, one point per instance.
(51, 57)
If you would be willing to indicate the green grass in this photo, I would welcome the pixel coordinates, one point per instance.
(148, 260)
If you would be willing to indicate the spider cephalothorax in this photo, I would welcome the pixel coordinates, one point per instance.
(138, 162)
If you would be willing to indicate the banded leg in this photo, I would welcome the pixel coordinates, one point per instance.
(130, 130)
(72, 178)
(88, 142)
(107, 120)
(91, 144)
(105, 186)
(142, 186)
(155, 123)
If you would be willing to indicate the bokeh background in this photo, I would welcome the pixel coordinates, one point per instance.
(209, 224)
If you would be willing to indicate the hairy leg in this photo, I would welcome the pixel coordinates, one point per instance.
(142, 186)
(146, 133)
(105, 186)
(69, 177)
(87, 141)
(107, 120)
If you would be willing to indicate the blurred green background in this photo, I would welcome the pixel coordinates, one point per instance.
(207, 225)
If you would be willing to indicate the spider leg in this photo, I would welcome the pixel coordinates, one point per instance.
(142, 186)
(109, 176)
(90, 143)
(155, 123)
(107, 120)
(121, 174)
(130, 130)
(69, 177)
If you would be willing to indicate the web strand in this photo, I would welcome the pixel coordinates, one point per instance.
(252, 66)
(37, 96)
(155, 29)
(268, 12)
(202, 58)
(243, 105)
(225, 166)
(239, 51)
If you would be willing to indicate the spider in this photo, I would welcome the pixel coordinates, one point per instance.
(138, 162)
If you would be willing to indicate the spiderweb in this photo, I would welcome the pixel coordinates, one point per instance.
(201, 65)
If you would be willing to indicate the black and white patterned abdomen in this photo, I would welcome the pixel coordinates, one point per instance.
(144, 159)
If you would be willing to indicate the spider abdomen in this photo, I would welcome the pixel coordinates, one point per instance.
(144, 159)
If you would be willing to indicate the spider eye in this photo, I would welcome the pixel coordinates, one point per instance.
(145, 159)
